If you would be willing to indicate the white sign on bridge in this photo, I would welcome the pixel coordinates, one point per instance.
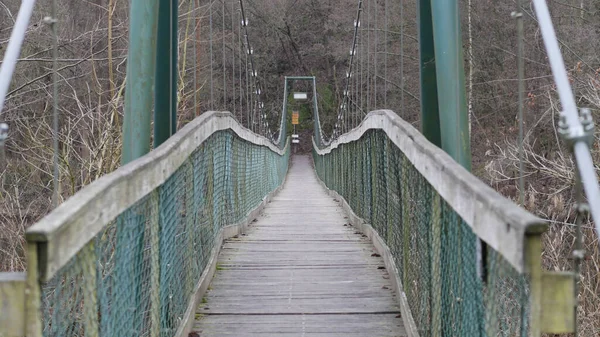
(300, 96)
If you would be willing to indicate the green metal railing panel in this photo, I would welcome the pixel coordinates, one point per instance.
(451, 289)
(137, 275)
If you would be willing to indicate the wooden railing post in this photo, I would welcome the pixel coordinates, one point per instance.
(533, 256)
(436, 268)
(90, 294)
(12, 304)
(33, 293)
(405, 224)
(155, 264)
(391, 188)
(374, 178)
(552, 294)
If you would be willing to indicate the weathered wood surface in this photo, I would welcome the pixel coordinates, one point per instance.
(300, 272)
(499, 222)
(12, 304)
(68, 228)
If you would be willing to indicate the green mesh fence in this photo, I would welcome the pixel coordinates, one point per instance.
(136, 277)
(451, 289)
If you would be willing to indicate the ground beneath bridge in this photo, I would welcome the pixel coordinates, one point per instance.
(300, 271)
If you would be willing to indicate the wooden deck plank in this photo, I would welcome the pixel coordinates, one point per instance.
(301, 325)
(300, 270)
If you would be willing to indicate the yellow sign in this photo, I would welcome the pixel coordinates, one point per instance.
(295, 117)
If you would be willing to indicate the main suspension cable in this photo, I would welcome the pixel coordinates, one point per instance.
(56, 174)
(233, 93)
(256, 117)
(210, 39)
(344, 121)
(223, 53)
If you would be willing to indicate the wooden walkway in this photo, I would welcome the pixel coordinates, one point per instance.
(300, 271)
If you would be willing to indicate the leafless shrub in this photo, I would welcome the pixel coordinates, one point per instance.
(550, 184)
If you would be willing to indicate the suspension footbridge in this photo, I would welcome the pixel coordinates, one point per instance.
(221, 231)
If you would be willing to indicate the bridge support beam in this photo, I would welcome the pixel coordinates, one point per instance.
(165, 88)
(140, 78)
(452, 100)
(430, 119)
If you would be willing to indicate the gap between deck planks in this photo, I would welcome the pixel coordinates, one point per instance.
(299, 271)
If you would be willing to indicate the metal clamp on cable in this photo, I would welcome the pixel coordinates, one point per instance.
(3, 137)
(50, 20)
(516, 15)
(573, 134)
(3, 133)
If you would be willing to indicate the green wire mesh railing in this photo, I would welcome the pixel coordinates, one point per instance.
(136, 276)
(452, 286)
